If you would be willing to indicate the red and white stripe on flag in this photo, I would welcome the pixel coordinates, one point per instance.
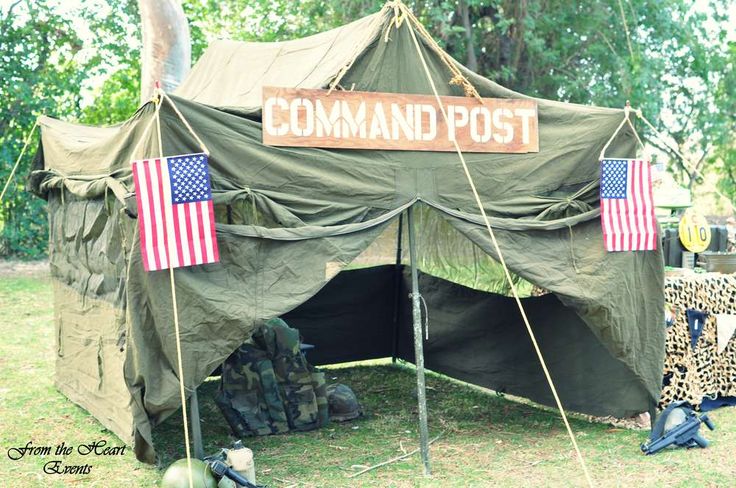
(176, 218)
(627, 206)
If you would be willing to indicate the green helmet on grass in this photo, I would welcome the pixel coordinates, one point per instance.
(342, 402)
(176, 476)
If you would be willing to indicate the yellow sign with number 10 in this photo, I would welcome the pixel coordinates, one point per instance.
(694, 231)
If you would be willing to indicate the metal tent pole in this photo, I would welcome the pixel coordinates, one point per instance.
(397, 291)
(196, 427)
(418, 346)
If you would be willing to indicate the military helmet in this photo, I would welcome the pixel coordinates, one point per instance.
(176, 475)
(342, 402)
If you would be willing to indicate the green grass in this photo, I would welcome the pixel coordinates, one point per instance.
(486, 440)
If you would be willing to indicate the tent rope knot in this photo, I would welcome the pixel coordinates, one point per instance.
(426, 313)
(396, 20)
(457, 76)
(464, 83)
(401, 13)
(626, 120)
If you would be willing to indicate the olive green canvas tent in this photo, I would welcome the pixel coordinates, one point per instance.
(290, 219)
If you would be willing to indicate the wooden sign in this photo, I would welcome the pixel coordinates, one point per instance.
(369, 120)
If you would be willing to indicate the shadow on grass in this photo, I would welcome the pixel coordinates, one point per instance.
(387, 392)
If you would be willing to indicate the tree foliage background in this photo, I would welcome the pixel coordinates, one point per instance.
(51, 61)
(668, 57)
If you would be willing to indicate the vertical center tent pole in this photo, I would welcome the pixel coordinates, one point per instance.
(418, 345)
(397, 291)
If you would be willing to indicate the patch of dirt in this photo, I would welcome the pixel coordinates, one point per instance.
(23, 268)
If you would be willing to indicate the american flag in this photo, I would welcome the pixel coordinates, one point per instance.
(627, 207)
(175, 214)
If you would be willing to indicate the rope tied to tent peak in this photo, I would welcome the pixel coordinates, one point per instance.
(401, 13)
(457, 76)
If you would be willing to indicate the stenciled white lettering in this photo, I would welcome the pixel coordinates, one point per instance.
(308, 118)
(458, 117)
(408, 122)
(526, 114)
(402, 120)
(268, 109)
(353, 124)
(419, 133)
(379, 126)
(327, 125)
(475, 113)
(504, 126)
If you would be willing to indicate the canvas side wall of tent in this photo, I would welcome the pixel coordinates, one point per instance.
(289, 219)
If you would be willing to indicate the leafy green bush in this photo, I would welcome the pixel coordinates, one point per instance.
(46, 67)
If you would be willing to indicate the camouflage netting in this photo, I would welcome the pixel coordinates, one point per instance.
(691, 374)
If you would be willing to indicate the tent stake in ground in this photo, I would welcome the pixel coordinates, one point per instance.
(418, 346)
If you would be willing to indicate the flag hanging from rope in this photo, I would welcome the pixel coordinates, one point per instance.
(176, 219)
(627, 206)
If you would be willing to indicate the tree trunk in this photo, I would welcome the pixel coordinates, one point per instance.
(166, 53)
(472, 62)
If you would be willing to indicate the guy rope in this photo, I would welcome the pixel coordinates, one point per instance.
(159, 97)
(158, 100)
(458, 78)
(17, 161)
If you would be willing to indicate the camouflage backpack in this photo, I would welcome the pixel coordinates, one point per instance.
(268, 387)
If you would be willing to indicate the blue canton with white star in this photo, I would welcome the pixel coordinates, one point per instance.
(190, 178)
(613, 178)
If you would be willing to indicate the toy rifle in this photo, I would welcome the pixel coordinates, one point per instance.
(684, 434)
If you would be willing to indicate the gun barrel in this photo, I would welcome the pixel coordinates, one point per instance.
(707, 421)
(657, 445)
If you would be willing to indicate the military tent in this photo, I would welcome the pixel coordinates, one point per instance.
(290, 219)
